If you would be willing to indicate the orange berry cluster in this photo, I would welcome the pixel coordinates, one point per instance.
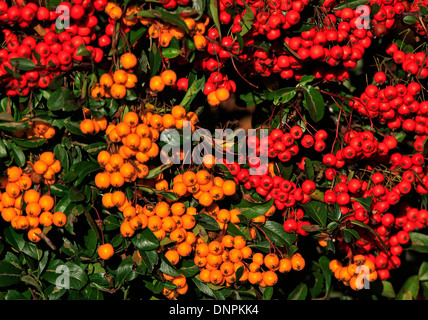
(113, 10)
(359, 272)
(115, 85)
(166, 78)
(26, 208)
(203, 186)
(165, 32)
(180, 283)
(46, 167)
(37, 129)
(220, 261)
(93, 126)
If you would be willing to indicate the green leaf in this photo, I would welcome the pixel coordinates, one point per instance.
(82, 51)
(423, 271)
(410, 20)
(196, 86)
(158, 170)
(145, 240)
(62, 99)
(83, 169)
(268, 293)
(165, 16)
(29, 143)
(351, 4)
(314, 103)
(306, 79)
(276, 233)
(10, 270)
(309, 169)
(68, 275)
(167, 267)
(125, 271)
(418, 242)
(299, 293)
(387, 289)
(282, 95)
(317, 210)
(23, 64)
(17, 153)
(170, 53)
(75, 195)
(410, 289)
(324, 265)
(253, 210)
(3, 150)
(203, 287)
(213, 13)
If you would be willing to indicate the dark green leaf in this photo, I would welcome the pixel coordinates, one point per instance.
(253, 210)
(165, 16)
(314, 103)
(317, 210)
(23, 64)
(351, 4)
(62, 99)
(276, 233)
(418, 242)
(67, 275)
(410, 19)
(423, 271)
(145, 240)
(299, 293)
(387, 289)
(410, 289)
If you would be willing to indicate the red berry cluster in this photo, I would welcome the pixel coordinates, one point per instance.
(339, 40)
(50, 51)
(414, 63)
(394, 105)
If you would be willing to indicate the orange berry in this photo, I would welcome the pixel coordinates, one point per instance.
(45, 219)
(128, 60)
(31, 195)
(13, 173)
(87, 126)
(105, 251)
(222, 94)
(102, 180)
(229, 187)
(126, 229)
(33, 234)
(106, 80)
(270, 278)
(131, 118)
(156, 84)
(297, 262)
(118, 91)
(169, 77)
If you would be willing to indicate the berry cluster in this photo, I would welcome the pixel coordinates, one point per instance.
(33, 61)
(26, 208)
